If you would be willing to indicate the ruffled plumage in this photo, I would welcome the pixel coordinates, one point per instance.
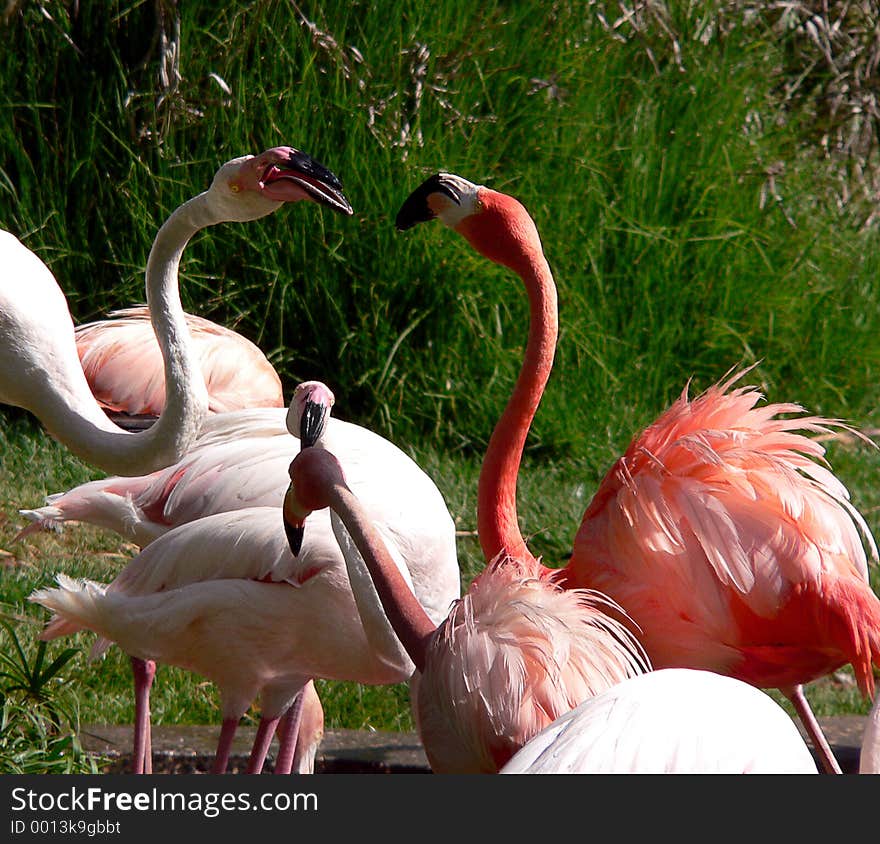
(726, 537)
(515, 653)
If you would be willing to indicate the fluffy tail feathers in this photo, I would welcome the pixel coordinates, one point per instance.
(74, 604)
(43, 518)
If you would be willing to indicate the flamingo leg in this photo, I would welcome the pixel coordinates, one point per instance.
(142, 757)
(288, 728)
(263, 739)
(224, 745)
(796, 695)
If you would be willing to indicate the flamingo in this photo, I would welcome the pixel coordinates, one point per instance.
(39, 366)
(670, 721)
(728, 543)
(515, 652)
(240, 460)
(680, 720)
(227, 563)
(121, 362)
(224, 598)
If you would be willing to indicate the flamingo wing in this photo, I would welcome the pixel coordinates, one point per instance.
(247, 544)
(123, 365)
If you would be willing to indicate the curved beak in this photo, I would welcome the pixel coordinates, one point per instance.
(294, 527)
(312, 423)
(416, 207)
(321, 184)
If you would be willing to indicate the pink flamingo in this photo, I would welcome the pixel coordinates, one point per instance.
(223, 597)
(39, 366)
(514, 653)
(122, 364)
(223, 562)
(731, 548)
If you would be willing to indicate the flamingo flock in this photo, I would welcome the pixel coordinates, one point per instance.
(719, 556)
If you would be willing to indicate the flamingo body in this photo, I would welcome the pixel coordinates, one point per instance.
(732, 547)
(670, 721)
(123, 367)
(224, 597)
(516, 652)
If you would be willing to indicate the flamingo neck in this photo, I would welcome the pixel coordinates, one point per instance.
(497, 521)
(406, 615)
(61, 397)
(186, 396)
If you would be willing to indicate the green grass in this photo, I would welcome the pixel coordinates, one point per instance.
(700, 201)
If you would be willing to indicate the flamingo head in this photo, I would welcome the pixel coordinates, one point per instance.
(314, 474)
(253, 186)
(309, 411)
(495, 224)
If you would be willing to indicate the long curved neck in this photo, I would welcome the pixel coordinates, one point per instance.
(406, 615)
(73, 416)
(186, 396)
(497, 521)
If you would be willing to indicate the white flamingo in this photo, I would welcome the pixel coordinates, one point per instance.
(670, 721)
(224, 597)
(39, 366)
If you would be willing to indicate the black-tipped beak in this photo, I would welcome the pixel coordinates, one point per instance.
(295, 536)
(293, 530)
(312, 423)
(320, 183)
(416, 208)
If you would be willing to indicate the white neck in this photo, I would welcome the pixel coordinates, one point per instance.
(70, 412)
(381, 636)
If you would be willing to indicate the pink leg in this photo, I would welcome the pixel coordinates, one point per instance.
(265, 733)
(224, 745)
(288, 732)
(142, 757)
(796, 695)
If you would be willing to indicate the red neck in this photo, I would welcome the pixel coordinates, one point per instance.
(497, 522)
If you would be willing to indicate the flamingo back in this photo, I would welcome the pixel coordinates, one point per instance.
(732, 545)
(123, 365)
(666, 722)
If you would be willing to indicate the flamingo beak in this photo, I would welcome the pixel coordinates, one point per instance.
(417, 207)
(292, 166)
(294, 528)
(312, 423)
